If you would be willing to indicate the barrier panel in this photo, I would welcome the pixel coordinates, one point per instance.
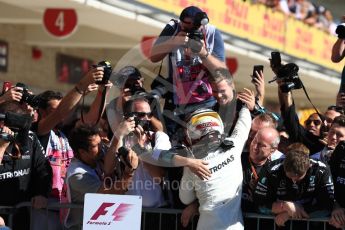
(170, 219)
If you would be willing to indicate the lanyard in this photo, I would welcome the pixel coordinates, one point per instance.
(253, 170)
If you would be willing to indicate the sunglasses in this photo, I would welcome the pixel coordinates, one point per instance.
(316, 122)
(143, 114)
(339, 109)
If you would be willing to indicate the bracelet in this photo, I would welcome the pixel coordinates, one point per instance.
(204, 57)
(78, 90)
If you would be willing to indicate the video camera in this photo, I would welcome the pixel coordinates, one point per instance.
(107, 72)
(16, 122)
(289, 75)
(28, 98)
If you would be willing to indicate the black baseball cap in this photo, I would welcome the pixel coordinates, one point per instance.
(189, 12)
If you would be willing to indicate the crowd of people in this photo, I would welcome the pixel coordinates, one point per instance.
(226, 153)
(307, 11)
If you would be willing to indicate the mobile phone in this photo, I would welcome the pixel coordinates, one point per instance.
(6, 86)
(257, 68)
(276, 59)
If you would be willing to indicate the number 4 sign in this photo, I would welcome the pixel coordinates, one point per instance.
(60, 23)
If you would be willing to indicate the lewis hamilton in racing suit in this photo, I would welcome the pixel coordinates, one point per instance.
(220, 195)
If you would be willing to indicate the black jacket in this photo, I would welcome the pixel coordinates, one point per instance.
(31, 175)
(314, 192)
(297, 133)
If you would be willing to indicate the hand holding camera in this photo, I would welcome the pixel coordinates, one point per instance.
(27, 96)
(6, 136)
(100, 75)
(107, 70)
(180, 39)
(12, 94)
(129, 161)
(125, 127)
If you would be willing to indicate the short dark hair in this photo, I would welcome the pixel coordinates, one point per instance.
(339, 120)
(189, 12)
(336, 108)
(13, 106)
(80, 136)
(47, 96)
(296, 162)
(220, 74)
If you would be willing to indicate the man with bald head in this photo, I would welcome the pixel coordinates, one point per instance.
(264, 143)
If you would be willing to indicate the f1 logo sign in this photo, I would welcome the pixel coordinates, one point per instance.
(118, 214)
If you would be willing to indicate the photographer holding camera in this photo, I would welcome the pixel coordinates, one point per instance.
(86, 172)
(287, 79)
(130, 83)
(25, 173)
(142, 138)
(338, 54)
(338, 49)
(194, 48)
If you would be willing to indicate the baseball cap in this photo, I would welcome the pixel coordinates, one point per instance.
(126, 73)
(189, 12)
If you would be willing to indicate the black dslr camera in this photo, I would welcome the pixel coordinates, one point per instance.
(28, 98)
(18, 123)
(107, 72)
(289, 75)
(145, 124)
(195, 35)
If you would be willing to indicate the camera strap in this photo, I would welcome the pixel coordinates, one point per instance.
(104, 92)
(204, 33)
(316, 110)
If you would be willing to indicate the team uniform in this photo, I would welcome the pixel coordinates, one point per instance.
(337, 165)
(220, 195)
(31, 175)
(24, 178)
(314, 192)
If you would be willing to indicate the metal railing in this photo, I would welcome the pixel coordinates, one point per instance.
(169, 219)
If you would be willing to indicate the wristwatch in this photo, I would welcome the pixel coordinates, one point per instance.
(258, 109)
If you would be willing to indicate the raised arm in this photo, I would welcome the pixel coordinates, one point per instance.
(167, 41)
(68, 102)
(93, 114)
